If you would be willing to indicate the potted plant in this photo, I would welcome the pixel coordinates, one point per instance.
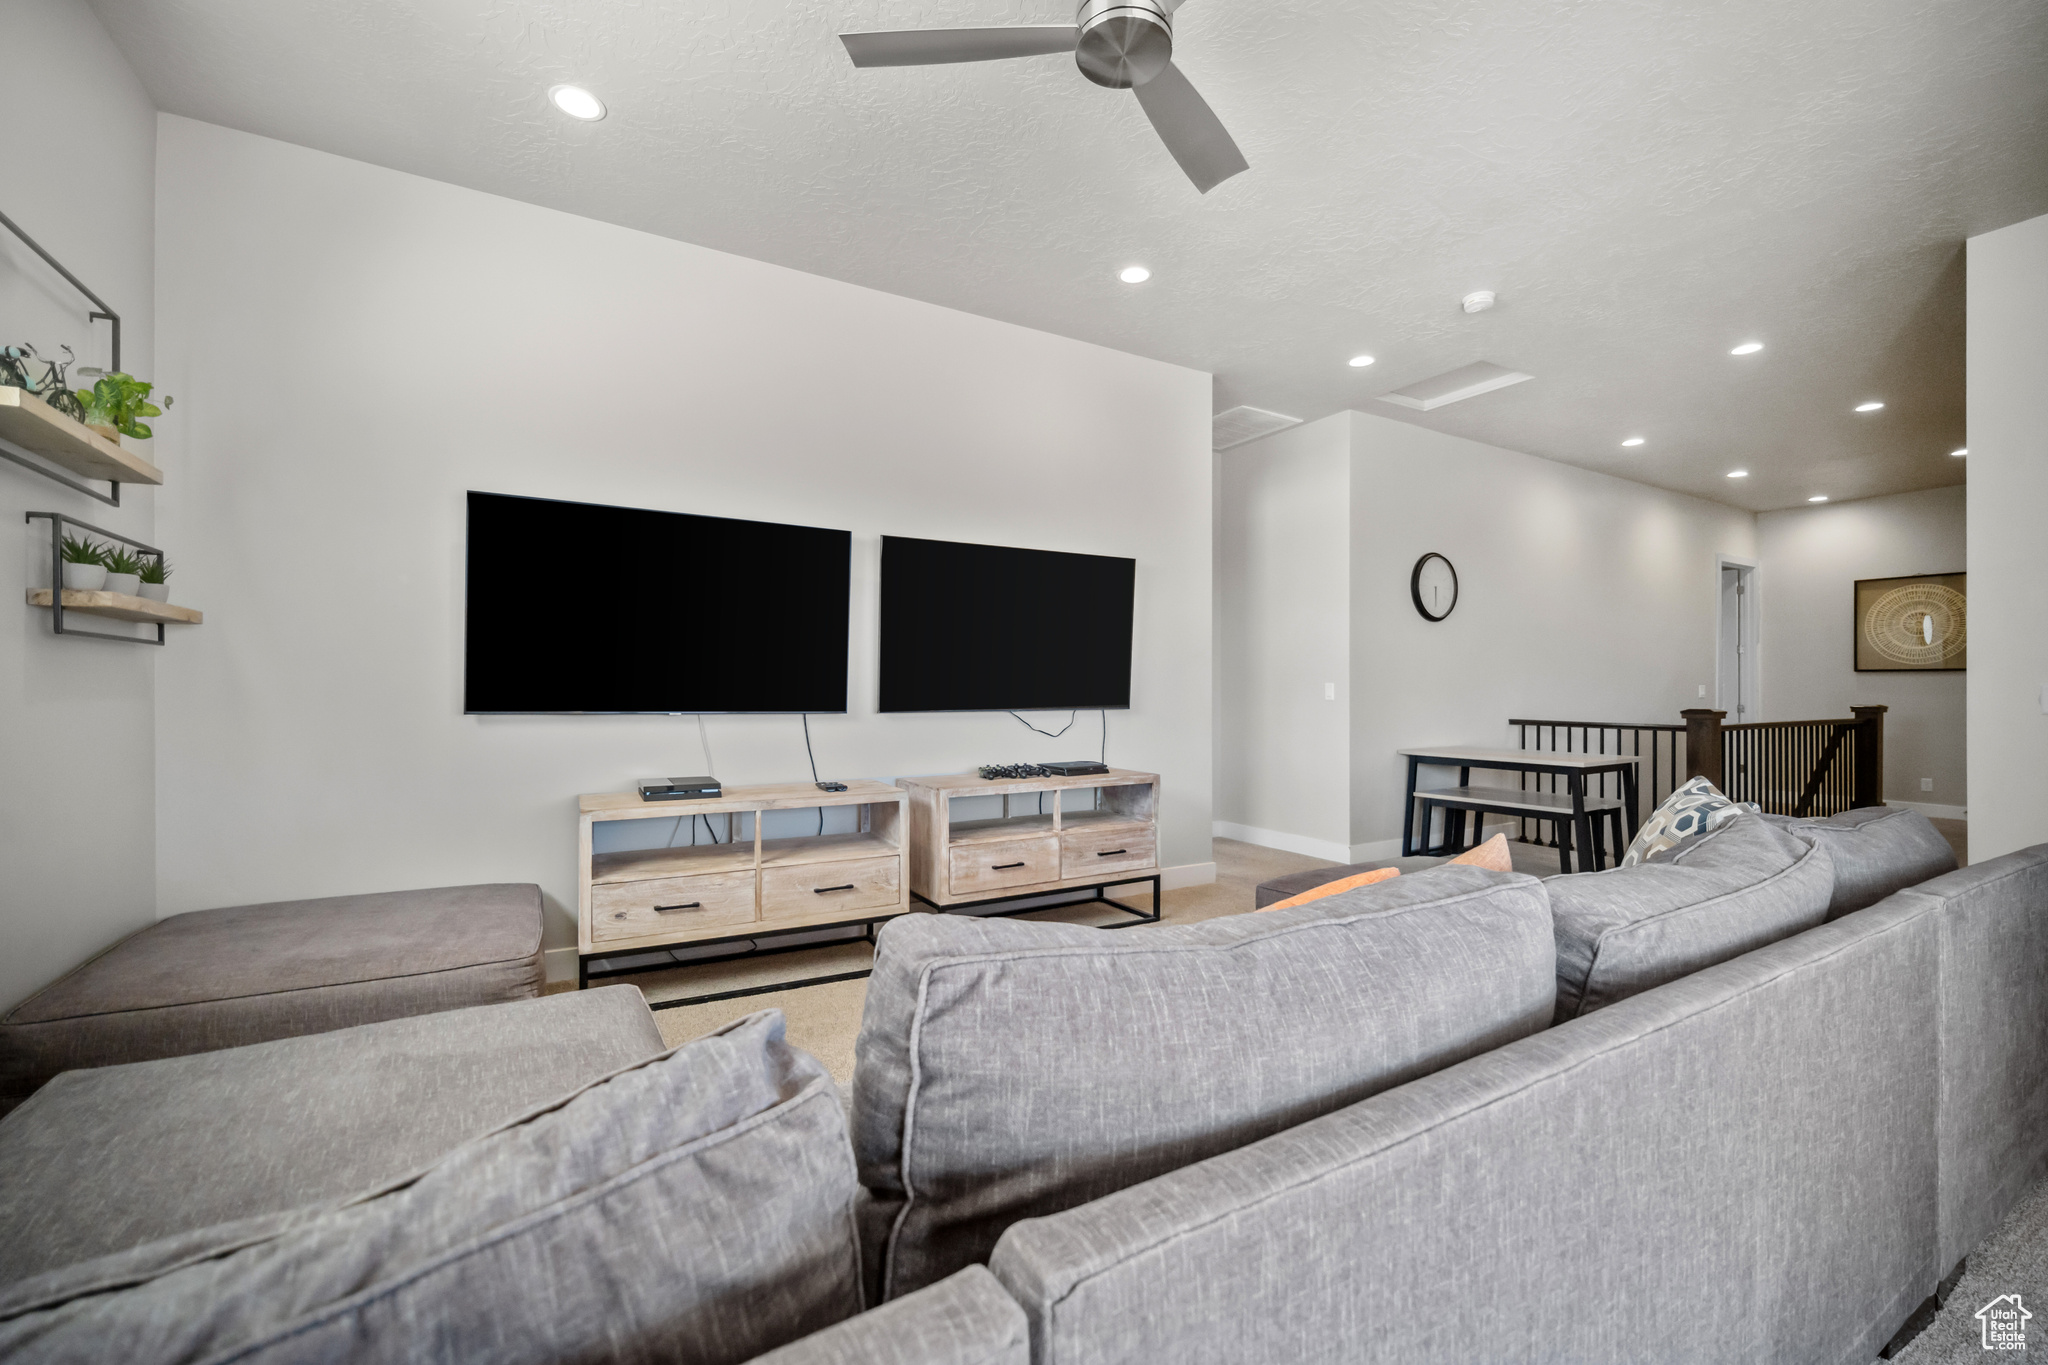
(124, 571)
(85, 564)
(156, 575)
(116, 404)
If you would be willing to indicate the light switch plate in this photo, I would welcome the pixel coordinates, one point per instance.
(1329, 691)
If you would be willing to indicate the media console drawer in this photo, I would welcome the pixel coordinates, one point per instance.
(664, 905)
(1012, 862)
(1096, 852)
(806, 890)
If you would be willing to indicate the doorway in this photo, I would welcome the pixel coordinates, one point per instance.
(1735, 684)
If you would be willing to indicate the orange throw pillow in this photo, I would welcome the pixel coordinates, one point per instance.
(1378, 874)
(1491, 855)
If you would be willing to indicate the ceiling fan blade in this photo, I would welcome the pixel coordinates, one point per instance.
(934, 46)
(1190, 129)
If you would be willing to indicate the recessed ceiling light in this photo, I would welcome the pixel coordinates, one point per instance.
(1964, 451)
(1818, 497)
(1747, 348)
(1871, 406)
(1633, 441)
(1359, 362)
(1134, 274)
(576, 102)
(1738, 473)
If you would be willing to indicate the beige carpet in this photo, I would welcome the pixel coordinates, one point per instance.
(823, 1020)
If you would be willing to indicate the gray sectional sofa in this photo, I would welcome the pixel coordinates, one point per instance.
(1338, 1132)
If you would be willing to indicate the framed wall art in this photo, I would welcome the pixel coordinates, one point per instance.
(1918, 624)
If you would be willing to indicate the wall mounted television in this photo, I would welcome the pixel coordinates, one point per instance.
(581, 608)
(989, 628)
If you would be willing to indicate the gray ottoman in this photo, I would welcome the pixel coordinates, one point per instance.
(223, 978)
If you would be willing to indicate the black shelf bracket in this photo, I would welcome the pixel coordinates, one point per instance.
(100, 313)
(58, 521)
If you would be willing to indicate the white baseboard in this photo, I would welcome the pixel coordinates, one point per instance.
(1934, 812)
(1376, 850)
(559, 964)
(1327, 850)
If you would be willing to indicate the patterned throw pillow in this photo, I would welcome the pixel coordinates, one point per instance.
(1694, 808)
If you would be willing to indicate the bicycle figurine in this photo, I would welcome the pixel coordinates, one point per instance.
(52, 388)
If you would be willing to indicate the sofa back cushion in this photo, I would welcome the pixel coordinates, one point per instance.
(1876, 850)
(1715, 896)
(1009, 1069)
(695, 1206)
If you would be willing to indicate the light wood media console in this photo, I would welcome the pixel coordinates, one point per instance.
(651, 898)
(1031, 850)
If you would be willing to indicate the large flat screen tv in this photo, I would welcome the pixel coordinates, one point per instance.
(989, 628)
(575, 607)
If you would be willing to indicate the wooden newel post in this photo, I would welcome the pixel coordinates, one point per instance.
(1703, 745)
(1869, 754)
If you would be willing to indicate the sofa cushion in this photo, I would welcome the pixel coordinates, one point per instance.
(697, 1206)
(1009, 1069)
(1876, 850)
(1714, 896)
(965, 1319)
(100, 1160)
(221, 978)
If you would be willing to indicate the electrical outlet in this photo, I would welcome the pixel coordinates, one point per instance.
(1927, 784)
(1703, 691)
(1329, 691)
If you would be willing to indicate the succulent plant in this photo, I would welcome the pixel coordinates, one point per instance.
(156, 569)
(121, 560)
(78, 550)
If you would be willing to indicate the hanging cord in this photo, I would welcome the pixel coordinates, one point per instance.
(812, 753)
(1049, 734)
(1104, 760)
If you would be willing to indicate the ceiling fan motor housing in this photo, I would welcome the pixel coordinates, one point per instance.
(1124, 43)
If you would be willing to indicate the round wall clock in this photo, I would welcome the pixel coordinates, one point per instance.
(1434, 585)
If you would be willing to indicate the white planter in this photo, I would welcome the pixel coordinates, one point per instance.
(155, 592)
(124, 583)
(85, 577)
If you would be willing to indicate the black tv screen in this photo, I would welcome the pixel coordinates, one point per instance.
(575, 607)
(988, 628)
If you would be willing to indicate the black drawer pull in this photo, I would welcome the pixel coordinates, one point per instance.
(1112, 853)
(821, 890)
(664, 909)
(1004, 867)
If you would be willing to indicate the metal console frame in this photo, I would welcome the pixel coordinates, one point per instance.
(11, 451)
(584, 976)
(58, 521)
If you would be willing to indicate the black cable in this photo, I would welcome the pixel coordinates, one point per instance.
(814, 766)
(1049, 734)
(1105, 737)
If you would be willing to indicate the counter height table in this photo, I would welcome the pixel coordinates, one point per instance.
(1574, 807)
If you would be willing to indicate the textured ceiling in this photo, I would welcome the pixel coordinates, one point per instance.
(1644, 185)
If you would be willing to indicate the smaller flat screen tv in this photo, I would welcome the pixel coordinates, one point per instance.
(990, 628)
(576, 607)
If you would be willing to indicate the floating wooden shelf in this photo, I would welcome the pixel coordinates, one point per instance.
(119, 605)
(37, 427)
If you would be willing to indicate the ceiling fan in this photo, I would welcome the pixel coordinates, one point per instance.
(1122, 44)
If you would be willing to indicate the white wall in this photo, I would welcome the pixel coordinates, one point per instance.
(353, 348)
(77, 831)
(2008, 538)
(1812, 558)
(1283, 597)
(1581, 597)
